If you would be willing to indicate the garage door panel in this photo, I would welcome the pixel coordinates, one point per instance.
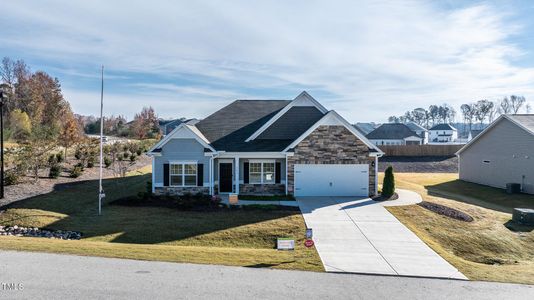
(331, 180)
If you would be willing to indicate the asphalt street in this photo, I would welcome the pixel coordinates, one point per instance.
(25, 275)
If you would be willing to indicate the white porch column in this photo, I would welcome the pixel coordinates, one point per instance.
(211, 175)
(236, 174)
(286, 175)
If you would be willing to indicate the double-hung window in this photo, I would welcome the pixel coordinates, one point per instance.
(183, 174)
(262, 172)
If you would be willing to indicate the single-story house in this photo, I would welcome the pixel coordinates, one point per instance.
(420, 130)
(394, 134)
(502, 153)
(267, 147)
(442, 133)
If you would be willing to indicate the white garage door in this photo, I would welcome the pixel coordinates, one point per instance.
(332, 180)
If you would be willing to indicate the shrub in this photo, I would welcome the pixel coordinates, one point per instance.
(59, 157)
(139, 152)
(126, 155)
(91, 162)
(52, 159)
(11, 177)
(107, 162)
(78, 154)
(76, 171)
(388, 187)
(133, 157)
(54, 172)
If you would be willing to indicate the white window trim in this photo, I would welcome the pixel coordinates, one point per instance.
(261, 162)
(183, 163)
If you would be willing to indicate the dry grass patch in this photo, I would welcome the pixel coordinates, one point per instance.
(484, 249)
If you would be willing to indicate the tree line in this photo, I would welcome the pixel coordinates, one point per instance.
(41, 124)
(145, 125)
(480, 111)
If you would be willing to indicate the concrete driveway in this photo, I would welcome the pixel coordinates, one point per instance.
(359, 235)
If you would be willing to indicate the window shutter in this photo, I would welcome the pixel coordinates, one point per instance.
(200, 174)
(278, 172)
(245, 172)
(165, 174)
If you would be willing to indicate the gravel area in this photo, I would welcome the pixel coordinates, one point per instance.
(31, 188)
(419, 164)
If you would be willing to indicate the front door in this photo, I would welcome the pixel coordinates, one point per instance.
(225, 177)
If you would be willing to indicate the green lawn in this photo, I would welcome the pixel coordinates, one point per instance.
(236, 237)
(485, 249)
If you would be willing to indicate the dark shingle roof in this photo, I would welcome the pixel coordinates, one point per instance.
(292, 124)
(238, 114)
(391, 131)
(365, 128)
(442, 127)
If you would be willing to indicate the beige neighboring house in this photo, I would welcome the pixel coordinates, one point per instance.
(502, 153)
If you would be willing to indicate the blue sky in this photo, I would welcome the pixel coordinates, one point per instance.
(367, 60)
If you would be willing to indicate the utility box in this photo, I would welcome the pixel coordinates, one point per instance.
(513, 188)
(523, 216)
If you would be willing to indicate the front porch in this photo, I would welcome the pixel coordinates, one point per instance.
(249, 175)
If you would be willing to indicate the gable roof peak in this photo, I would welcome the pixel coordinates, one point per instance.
(303, 99)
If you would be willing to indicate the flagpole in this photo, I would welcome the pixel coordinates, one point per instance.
(100, 189)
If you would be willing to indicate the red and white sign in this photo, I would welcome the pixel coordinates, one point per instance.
(308, 243)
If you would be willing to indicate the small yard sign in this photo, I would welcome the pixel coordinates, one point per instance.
(308, 243)
(309, 233)
(285, 244)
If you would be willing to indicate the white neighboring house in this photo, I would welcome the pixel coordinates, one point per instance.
(420, 130)
(394, 134)
(442, 133)
(502, 153)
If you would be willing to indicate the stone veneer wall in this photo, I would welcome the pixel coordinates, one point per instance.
(330, 145)
(262, 189)
(177, 191)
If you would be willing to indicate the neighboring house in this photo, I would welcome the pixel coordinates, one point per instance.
(365, 128)
(442, 133)
(420, 130)
(502, 153)
(473, 134)
(394, 134)
(166, 126)
(267, 147)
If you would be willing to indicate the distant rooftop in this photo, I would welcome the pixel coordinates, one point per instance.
(391, 131)
(443, 127)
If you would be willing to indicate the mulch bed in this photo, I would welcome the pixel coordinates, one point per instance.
(446, 211)
(395, 196)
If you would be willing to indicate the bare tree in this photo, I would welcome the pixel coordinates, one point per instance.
(468, 111)
(482, 110)
(516, 102)
(505, 107)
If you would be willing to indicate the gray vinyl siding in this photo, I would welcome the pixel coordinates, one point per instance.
(181, 150)
(509, 154)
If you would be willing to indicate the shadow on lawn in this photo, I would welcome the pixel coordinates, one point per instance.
(480, 195)
(139, 225)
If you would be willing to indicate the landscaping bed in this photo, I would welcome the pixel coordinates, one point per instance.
(446, 211)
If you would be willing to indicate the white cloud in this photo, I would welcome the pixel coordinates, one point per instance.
(373, 59)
